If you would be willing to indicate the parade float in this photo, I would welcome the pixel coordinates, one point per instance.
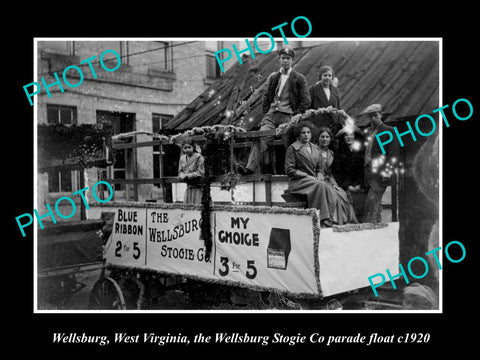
(266, 243)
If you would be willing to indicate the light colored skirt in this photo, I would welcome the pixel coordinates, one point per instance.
(193, 195)
(334, 204)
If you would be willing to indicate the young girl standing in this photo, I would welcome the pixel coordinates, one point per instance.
(191, 170)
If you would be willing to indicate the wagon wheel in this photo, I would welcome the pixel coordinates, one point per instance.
(134, 292)
(106, 295)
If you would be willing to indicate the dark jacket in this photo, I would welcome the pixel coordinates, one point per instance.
(319, 98)
(299, 97)
(348, 166)
(391, 151)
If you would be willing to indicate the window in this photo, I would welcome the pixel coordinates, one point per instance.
(103, 192)
(213, 69)
(59, 181)
(123, 167)
(158, 123)
(165, 56)
(61, 114)
(120, 47)
(58, 47)
(63, 180)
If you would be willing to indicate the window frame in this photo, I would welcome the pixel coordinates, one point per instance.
(156, 149)
(61, 107)
(211, 59)
(167, 55)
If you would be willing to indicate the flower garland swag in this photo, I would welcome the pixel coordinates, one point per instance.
(307, 115)
(216, 145)
(140, 132)
(216, 153)
(80, 145)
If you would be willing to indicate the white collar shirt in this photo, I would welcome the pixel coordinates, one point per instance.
(283, 79)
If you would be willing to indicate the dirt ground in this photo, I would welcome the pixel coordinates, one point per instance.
(205, 297)
(195, 296)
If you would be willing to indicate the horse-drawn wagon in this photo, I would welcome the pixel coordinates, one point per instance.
(259, 240)
(275, 250)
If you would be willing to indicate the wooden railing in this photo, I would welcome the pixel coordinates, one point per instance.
(267, 179)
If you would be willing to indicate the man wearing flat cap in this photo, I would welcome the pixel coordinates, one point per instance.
(379, 167)
(286, 94)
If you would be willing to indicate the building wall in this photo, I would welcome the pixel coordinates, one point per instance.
(140, 86)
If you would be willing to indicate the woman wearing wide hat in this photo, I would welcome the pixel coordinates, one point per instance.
(348, 166)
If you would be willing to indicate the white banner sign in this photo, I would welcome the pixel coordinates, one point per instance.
(174, 245)
(278, 250)
(127, 245)
(265, 251)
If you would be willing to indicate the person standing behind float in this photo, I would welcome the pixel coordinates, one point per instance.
(324, 94)
(376, 179)
(191, 169)
(286, 94)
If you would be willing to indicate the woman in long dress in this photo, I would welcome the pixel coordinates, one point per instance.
(191, 169)
(340, 206)
(302, 166)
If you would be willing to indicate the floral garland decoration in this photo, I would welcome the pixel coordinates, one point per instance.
(212, 132)
(358, 227)
(217, 143)
(284, 128)
(205, 225)
(139, 132)
(229, 181)
(80, 143)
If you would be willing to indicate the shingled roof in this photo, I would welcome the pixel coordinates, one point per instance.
(403, 76)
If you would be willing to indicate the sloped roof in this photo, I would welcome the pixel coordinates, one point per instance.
(403, 76)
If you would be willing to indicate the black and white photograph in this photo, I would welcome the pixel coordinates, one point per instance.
(186, 175)
(289, 181)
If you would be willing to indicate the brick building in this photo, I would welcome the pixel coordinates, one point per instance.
(156, 79)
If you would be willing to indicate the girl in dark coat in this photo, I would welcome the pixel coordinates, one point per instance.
(324, 94)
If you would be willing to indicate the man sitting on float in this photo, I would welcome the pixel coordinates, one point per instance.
(286, 95)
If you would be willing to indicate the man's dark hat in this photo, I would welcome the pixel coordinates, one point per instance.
(287, 51)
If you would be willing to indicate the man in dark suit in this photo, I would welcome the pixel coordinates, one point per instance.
(379, 167)
(286, 95)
